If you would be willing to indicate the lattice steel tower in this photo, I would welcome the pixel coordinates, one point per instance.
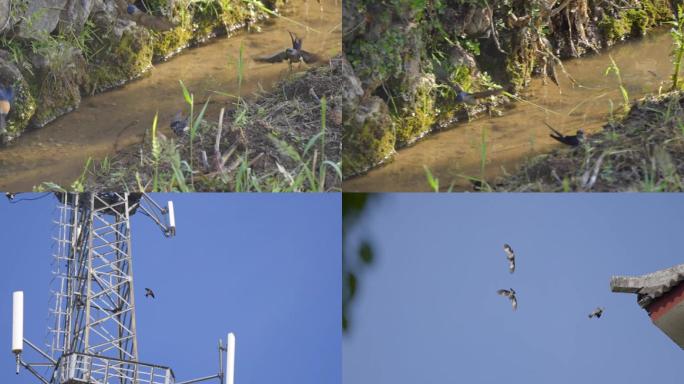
(93, 332)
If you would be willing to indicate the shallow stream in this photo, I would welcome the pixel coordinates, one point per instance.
(108, 122)
(455, 154)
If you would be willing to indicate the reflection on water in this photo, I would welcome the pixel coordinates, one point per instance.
(645, 66)
(108, 122)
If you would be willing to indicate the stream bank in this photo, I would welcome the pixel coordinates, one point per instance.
(404, 56)
(642, 152)
(53, 52)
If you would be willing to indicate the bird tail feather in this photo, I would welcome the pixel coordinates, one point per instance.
(554, 131)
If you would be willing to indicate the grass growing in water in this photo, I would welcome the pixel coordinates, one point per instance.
(677, 33)
(613, 67)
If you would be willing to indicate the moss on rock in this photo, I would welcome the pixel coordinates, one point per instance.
(111, 50)
(417, 122)
(59, 70)
(370, 135)
(119, 60)
(634, 22)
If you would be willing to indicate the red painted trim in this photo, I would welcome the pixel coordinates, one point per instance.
(664, 303)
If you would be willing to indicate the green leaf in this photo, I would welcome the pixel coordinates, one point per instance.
(186, 94)
(432, 181)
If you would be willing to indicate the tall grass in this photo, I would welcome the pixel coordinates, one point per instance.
(677, 33)
(483, 153)
(613, 68)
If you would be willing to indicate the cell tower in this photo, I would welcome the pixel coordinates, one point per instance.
(93, 337)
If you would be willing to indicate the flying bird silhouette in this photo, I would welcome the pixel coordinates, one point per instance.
(572, 140)
(292, 55)
(510, 255)
(6, 99)
(511, 296)
(149, 293)
(597, 313)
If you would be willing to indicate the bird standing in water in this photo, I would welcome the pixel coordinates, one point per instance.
(292, 55)
(6, 98)
(179, 124)
(471, 98)
(573, 140)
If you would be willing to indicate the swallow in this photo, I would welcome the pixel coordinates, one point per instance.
(149, 293)
(10, 196)
(511, 296)
(79, 301)
(597, 313)
(6, 99)
(293, 55)
(158, 24)
(573, 141)
(115, 309)
(471, 98)
(510, 255)
(179, 124)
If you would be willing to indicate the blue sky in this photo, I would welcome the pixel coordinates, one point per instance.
(428, 312)
(264, 266)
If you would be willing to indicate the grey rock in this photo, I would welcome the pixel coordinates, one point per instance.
(75, 15)
(351, 89)
(353, 22)
(4, 15)
(61, 72)
(40, 18)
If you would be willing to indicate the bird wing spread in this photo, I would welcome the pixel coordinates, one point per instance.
(504, 292)
(276, 58)
(309, 57)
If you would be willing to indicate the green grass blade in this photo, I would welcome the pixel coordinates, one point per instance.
(186, 93)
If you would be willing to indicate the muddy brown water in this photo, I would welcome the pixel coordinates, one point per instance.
(111, 121)
(645, 66)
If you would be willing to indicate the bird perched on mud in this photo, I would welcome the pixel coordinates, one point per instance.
(149, 293)
(158, 24)
(597, 313)
(179, 124)
(6, 99)
(511, 296)
(572, 140)
(471, 98)
(510, 255)
(292, 55)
